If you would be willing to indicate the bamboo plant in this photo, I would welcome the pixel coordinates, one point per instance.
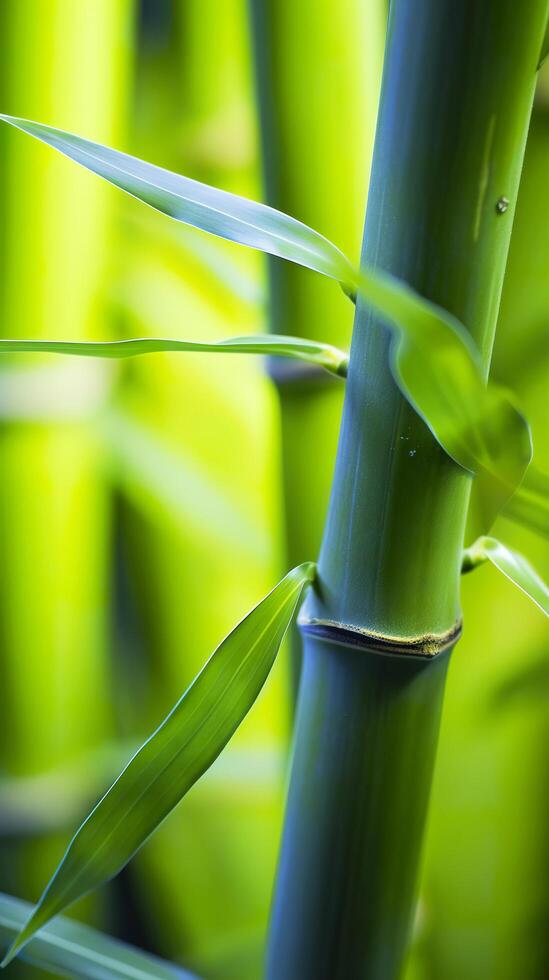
(482, 894)
(420, 418)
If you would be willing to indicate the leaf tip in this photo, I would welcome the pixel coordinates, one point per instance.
(25, 125)
(33, 924)
(13, 950)
(12, 120)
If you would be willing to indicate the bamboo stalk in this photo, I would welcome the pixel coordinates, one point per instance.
(481, 887)
(456, 98)
(362, 719)
(310, 95)
(216, 115)
(53, 495)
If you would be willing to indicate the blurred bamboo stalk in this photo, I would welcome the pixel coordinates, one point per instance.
(65, 63)
(210, 868)
(218, 139)
(316, 163)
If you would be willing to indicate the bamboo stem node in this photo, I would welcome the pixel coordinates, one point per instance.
(428, 646)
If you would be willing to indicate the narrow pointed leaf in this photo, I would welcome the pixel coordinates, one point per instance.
(301, 349)
(513, 565)
(68, 948)
(435, 361)
(175, 756)
(437, 365)
(218, 212)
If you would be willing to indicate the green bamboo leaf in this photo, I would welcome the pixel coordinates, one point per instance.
(175, 756)
(513, 565)
(218, 212)
(75, 950)
(435, 361)
(274, 345)
(437, 366)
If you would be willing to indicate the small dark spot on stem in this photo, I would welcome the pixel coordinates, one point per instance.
(502, 204)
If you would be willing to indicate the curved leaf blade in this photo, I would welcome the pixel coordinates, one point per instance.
(435, 362)
(274, 345)
(208, 208)
(512, 564)
(78, 951)
(180, 751)
(438, 368)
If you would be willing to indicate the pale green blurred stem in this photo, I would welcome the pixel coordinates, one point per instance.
(216, 112)
(318, 69)
(65, 63)
(194, 574)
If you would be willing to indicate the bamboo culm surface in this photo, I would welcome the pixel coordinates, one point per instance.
(456, 98)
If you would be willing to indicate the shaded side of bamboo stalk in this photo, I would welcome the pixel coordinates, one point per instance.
(482, 891)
